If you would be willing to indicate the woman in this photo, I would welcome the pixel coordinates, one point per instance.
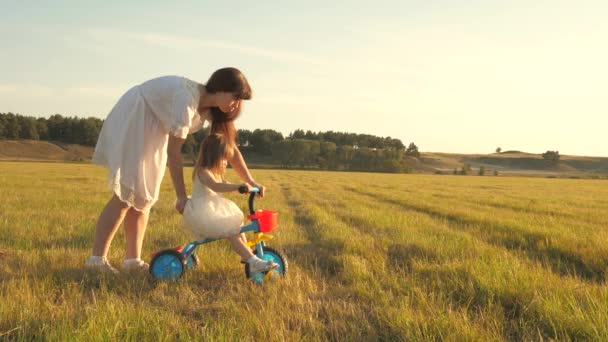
(144, 132)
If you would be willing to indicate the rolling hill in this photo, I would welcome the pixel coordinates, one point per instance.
(510, 162)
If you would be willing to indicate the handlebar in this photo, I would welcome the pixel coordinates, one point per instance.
(252, 193)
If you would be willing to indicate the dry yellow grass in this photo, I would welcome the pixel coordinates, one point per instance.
(372, 256)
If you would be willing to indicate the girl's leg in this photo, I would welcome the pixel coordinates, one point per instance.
(135, 227)
(240, 247)
(255, 264)
(109, 220)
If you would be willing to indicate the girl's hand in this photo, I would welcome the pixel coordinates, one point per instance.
(261, 187)
(244, 188)
(180, 204)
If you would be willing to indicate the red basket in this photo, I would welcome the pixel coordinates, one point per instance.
(267, 220)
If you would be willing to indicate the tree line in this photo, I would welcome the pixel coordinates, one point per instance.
(300, 149)
(71, 130)
(320, 150)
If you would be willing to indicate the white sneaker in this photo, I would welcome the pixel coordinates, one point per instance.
(100, 264)
(136, 264)
(257, 265)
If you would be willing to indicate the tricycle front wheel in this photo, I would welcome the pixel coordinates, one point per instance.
(272, 255)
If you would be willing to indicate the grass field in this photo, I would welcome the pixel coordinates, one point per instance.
(372, 256)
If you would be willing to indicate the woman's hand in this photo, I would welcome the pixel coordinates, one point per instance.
(180, 204)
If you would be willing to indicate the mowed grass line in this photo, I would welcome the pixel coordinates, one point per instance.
(361, 267)
(214, 302)
(461, 270)
(393, 308)
(546, 240)
(568, 245)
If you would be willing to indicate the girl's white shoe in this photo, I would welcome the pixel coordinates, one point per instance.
(100, 264)
(257, 265)
(135, 264)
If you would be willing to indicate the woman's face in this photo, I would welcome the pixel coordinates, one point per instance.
(224, 164)
(228, 103)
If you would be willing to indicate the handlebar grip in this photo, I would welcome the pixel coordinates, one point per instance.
(243, 189)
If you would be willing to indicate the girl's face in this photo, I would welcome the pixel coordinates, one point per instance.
(228, 103)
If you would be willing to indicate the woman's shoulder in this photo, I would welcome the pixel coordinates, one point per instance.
(163, 81)
(172, 82)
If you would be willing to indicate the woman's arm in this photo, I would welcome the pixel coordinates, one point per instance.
(238, 163)
(207, 178)
(176, 168)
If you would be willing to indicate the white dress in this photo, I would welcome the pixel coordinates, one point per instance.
(133, 140)
(208, 214)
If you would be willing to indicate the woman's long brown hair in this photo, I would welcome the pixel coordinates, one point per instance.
(230, 80)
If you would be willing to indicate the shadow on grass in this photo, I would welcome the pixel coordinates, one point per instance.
(320, 255)
(525, 209)
(402, 257)
(562, 262)
(523, 319)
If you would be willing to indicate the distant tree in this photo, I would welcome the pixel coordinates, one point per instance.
(392, 166)
(28, 128)
(498, 150)
(299, 153)
(90, 128)
(412, 151)
(56, 127)
(243, 137)
(363, 159)
(482, 170)
(466, 168)
(495, 172)
(281, 152)
(297, 134)
(310, 135)
(2, 127)
(12, 127)
(345, 156)
(551, 156)
(327, 155)
(42, 128)
(455, 171)
(262, 140)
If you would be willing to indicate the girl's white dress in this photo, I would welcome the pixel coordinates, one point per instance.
(208, 214)
(133, 140)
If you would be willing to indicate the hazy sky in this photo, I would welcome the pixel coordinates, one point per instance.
(451, 76)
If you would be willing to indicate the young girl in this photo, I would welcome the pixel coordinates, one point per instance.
(208, 214)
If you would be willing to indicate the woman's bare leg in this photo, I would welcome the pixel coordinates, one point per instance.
(135, 228)
(109, 220)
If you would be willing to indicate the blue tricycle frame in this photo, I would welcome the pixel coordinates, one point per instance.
(171, 264)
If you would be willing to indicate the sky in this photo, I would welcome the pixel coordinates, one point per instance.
(461, 76)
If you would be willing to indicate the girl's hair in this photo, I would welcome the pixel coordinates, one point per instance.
(229, 80)
(214, 149)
